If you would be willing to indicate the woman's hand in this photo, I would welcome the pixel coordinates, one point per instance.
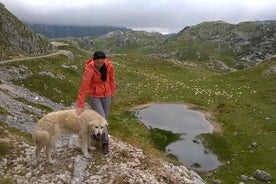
(79, 111)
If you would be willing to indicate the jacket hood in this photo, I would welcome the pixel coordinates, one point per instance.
(90, 63)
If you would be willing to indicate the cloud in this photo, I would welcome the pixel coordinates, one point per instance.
(163, 15)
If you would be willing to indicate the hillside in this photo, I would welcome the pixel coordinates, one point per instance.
(137, 42)
(242, 103)
(46, 80)
(17, 39)
(59, 31)
(217, 45)
(220, 45)
(120, 42)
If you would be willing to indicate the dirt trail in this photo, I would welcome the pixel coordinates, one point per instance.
(56, 44)
(28, 58)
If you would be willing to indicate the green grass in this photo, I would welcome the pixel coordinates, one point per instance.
(162, 138)
(4, 111)
(242, 103)
(15, 131)
(5, 181)
(5, 149)
(39, 106)
(63, 78)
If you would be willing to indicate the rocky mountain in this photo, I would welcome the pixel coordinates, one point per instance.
(59, 31)
(217, 45)
(220, 43)
(129, 42)
(17, 39)
(120, 42)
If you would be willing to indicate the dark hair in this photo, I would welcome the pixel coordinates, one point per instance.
(103, 71)
(99, 55)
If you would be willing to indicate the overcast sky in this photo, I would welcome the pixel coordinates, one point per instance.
(164, 16)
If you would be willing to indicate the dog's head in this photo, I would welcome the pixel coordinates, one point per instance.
(97, 128)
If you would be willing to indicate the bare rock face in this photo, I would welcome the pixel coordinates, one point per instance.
(17, 39)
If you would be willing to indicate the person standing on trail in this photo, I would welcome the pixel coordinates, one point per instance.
(98, 83)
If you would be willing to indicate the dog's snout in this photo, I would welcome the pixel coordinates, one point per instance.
(98, 134)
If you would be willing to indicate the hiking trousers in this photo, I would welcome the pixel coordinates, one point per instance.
(102, 106)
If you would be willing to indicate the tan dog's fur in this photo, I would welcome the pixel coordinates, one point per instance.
(51, 126)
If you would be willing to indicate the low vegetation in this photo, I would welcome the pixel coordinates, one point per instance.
(242, 103)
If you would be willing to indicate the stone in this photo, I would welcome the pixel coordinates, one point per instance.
(262, 175)
(244, 178)
(217, 182)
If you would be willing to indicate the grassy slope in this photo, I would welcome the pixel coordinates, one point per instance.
(247, 117)
(243, 103)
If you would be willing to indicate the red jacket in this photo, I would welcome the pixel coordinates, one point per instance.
(92, 83)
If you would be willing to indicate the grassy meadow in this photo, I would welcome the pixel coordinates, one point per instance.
(242, 104)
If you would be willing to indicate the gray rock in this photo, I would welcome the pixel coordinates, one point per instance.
(262, 175)
(244, 178)
(217, 182)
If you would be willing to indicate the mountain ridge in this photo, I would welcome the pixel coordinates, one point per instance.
(59, 31)
(16, 39)
(238, 46)
(217, 45)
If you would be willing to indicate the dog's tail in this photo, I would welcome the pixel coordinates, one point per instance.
(40, 137)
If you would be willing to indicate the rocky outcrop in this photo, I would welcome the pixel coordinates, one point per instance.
(237, 45)
(17, 39)
(124, 164)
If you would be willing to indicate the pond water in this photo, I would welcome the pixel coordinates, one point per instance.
(189, 123)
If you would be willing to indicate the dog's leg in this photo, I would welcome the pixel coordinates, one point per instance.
(91, 148)
(49, 148)
(83, 145)
(37, 151)
(48, 152)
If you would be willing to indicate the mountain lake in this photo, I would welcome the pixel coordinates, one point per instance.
(179, 119)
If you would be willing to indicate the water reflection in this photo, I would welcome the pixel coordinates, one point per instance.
(179, 119)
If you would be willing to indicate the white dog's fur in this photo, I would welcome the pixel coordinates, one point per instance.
(49, 127)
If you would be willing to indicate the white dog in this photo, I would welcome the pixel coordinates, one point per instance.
(49, 127)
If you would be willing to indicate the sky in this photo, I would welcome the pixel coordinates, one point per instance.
(164, 16)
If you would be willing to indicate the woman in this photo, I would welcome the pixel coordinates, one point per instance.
(99, 85)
